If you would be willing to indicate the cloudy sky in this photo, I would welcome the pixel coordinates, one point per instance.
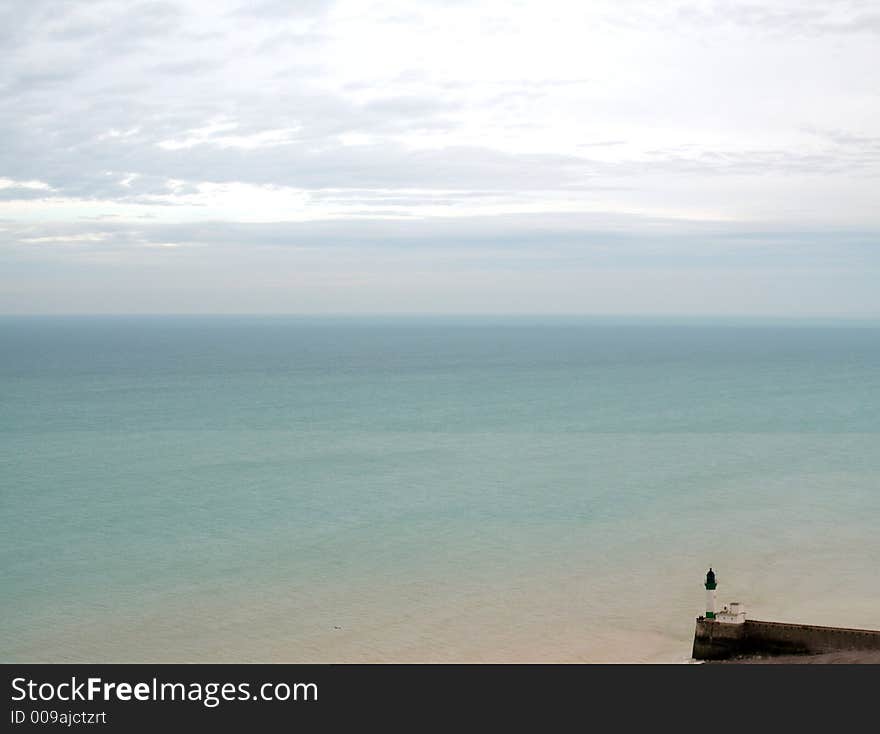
(307, 156)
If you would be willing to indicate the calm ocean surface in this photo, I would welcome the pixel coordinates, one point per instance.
(260, 489)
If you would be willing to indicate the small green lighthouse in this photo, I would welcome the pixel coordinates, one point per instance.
(710, 594)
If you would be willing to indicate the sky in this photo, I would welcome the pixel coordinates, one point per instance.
(307, 156)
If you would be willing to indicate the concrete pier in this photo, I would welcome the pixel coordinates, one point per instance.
(715, 640)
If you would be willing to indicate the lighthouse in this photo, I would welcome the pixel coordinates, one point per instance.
(710, 594)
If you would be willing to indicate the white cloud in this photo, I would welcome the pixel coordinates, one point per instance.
(65, 239)
(8, 183)
(221, 134)
(196, 112)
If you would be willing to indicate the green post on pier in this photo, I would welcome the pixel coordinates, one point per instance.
(710, 594)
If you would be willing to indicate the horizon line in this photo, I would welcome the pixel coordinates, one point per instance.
(456, 315)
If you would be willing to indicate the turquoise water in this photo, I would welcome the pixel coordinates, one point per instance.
(426, 489)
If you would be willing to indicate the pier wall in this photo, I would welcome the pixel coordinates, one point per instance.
(717, 640)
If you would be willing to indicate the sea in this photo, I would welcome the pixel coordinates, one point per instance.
(429, 489)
